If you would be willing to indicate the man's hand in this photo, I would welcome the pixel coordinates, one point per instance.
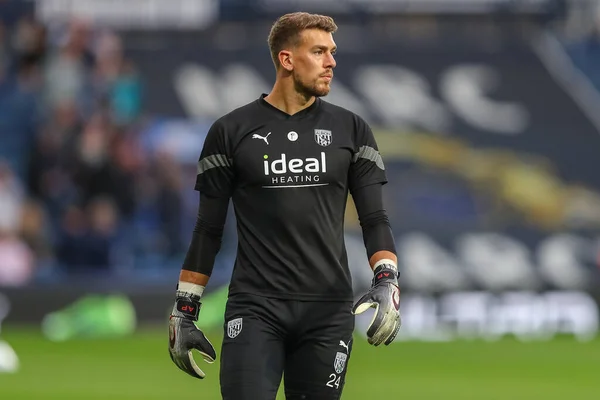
(184, 336)
(384, 296)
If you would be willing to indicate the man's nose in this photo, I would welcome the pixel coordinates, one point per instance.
(330, 61)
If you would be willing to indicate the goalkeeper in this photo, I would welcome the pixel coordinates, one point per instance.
(288, 161)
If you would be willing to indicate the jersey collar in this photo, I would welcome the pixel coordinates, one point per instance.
(283, 115)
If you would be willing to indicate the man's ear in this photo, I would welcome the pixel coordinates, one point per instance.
(286, 61)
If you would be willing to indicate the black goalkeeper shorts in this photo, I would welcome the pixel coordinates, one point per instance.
(308, 342)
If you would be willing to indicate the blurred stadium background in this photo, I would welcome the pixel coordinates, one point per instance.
(487, 113)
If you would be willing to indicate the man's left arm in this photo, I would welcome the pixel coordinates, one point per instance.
(384, 294)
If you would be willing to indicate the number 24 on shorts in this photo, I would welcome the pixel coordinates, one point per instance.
(334, 381)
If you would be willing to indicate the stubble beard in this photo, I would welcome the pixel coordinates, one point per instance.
(314, 88)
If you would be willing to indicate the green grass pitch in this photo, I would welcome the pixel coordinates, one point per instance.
(138, 367)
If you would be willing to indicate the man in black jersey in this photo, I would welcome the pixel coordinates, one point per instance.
(288, 161)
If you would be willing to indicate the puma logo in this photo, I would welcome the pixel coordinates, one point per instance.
(344, 345)
(257, 136)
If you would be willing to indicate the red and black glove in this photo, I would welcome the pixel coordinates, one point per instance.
(384, 296)
(184, 336)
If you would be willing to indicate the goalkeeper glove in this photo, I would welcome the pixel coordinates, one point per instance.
(384, 296)
(184, 336)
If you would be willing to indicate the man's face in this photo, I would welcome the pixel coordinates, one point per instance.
(314, 63)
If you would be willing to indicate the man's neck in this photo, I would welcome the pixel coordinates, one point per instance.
(287, 99)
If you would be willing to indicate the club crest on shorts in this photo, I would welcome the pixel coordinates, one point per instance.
(323, 137)
(340, 362)
(234, 327)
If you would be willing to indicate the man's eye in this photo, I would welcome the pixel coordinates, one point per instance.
(319, 52)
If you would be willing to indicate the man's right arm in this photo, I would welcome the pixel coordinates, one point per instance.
(215, 184)
(195, 273)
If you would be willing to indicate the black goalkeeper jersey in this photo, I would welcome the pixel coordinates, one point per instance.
(289, 178)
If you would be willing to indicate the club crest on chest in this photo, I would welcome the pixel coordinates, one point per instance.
(323, 137)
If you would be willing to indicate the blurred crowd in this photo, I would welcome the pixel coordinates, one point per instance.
(79, 193)
(75, 183)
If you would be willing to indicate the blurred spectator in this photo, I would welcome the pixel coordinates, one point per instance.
(53, 158)
(98, 171)
(11, 198)
(19, 85)
(115, 79)
(16, 259)
(103, 230)
(71, 251)
(35, 231)
(29, 41)
(109, 58)
(87, 237)
(68, 68)
(126, 95)
(168, 175)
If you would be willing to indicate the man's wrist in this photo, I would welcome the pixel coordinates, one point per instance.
(191, 289)
(187, 302)
(187, 307)
(385, 270)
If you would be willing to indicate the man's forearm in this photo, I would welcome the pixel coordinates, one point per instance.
(206, 242)
(377, 233)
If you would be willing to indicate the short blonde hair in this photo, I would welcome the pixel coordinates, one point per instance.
(286, 30)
